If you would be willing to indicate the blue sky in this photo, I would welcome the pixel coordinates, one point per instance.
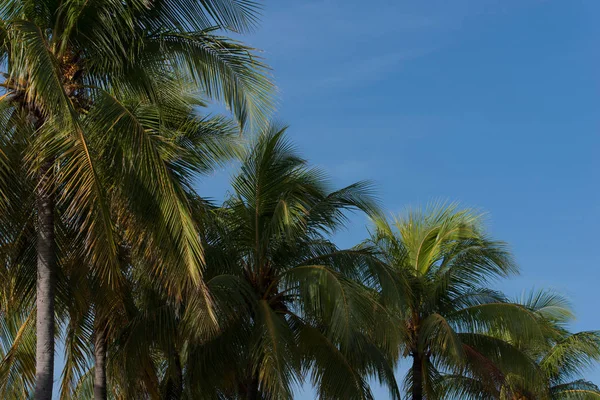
(491, 103)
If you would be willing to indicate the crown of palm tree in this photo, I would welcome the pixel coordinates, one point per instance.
(448, 314)
(292, 303)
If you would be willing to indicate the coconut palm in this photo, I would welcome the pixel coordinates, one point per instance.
(290, 302)
(566, 361)
(66, 62)
(190, 149)
(447, 260)
(561, 359)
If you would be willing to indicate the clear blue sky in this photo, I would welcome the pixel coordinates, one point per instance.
(493, 103)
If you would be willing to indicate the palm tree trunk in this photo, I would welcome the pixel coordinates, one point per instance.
(417, 376)
(45, 289)
(100, 364)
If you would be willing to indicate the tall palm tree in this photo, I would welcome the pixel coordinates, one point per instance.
(66, 62)
(83, 298)
(447, 260)
(291, 302)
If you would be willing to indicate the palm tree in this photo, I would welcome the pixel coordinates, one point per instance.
(560, 358)
(291, 303)
(190, 149)
(83, 298)
(565, 362)
(70, 64)
(449, 312)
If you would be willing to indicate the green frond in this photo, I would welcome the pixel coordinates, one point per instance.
(327, 296)
(459, 387)
(4, 187)
(428, 234)
(17, 369)
(84, 389)
(357, 196)
(223, 69)
(436, 334)
(85, 199)
(34, 70)
(133, 149)
(78, 354)
(332, 373)
(572, 356)
(493, 361)
(510, 318)
(276, 363)
(235, 15)
(548, 304)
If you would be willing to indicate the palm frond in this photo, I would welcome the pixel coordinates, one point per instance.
(572, 356)
(332, 373)
(278, 365)
(577, 390)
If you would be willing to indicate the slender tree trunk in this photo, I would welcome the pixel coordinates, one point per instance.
(417, 376)
(100, 363)
(46, 265)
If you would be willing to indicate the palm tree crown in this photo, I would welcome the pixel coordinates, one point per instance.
(446, 260)
(299, 309)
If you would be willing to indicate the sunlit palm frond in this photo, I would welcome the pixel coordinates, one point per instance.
(17, 369)
(226, 70)
(132, 149)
